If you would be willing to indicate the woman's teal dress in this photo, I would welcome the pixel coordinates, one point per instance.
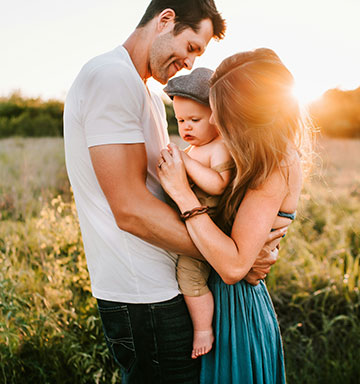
(248, 347)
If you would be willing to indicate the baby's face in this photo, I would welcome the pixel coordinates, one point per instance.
(193, 121)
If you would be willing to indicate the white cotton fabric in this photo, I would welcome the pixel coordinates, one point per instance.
(108, 103)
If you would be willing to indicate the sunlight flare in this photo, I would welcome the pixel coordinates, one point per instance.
(306, 93)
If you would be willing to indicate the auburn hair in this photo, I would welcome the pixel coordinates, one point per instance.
(259, 120)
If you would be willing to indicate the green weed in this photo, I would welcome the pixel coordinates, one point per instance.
(49, 326)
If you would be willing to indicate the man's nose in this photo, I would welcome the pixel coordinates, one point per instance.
(188, 63)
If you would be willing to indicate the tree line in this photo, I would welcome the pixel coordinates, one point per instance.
(24, 117)
(336, 114)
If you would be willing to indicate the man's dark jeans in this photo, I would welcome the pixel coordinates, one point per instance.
(151, 342)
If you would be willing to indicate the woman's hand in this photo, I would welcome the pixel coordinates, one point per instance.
(266, 258)
(172, 173)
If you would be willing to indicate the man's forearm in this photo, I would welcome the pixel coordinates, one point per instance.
(154, 221)
(135, 209)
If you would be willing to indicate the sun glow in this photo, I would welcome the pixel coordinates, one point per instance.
(306, 93)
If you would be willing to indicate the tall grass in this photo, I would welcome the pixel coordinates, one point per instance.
(50, 331)
(315, 285)
(32, 171)
(315, 288)
(49, 326)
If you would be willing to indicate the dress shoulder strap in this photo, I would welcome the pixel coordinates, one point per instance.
(290, 216)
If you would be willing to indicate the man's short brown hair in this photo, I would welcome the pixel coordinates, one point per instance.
(189, 14)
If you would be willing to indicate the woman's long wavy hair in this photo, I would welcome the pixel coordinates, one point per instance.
(259, 120)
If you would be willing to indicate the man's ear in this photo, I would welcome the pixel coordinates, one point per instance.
(166, 19)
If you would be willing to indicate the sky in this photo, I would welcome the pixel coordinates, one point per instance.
(44, 43)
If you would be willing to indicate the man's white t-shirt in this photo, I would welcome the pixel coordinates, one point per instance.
(108, 103)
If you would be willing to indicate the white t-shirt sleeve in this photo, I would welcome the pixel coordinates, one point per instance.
(114, 105)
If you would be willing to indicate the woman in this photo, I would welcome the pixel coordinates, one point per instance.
(261, 125)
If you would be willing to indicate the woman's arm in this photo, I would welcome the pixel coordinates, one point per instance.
(232, 257)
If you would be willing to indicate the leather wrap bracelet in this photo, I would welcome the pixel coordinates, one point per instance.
(194, 212)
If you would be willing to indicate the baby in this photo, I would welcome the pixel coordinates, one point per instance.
(209, 167)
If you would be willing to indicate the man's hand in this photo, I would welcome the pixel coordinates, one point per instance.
(266, 258)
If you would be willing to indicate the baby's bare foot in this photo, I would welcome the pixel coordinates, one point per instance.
(202, 343)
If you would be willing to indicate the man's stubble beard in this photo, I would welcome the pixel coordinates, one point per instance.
(160, 61)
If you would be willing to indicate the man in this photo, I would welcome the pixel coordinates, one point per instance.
(114, 129)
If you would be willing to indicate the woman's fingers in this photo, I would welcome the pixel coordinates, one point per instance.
(266, 258)
(172, 173)
(171, 157)
(172, 145)
(274, 238)
(277, 234)
(166, 156)
(175, 151)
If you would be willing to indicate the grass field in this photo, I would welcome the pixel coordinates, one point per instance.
(49, 326)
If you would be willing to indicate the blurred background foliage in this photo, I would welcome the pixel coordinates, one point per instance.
(30, 117)
(336, 114)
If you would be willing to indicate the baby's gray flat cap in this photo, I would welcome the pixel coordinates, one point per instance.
(193, 86)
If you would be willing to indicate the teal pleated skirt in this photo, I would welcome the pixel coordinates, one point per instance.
(248, 347)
